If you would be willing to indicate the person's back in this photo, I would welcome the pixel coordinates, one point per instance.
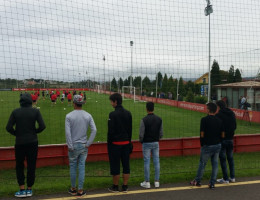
(119, 142)
(229, 121)
(25, 118)
(227, 145)
(152, 125)
(151, 131)
(26, 145)
(79, 121)
(211, 132)
(123, 129)
(212, 127)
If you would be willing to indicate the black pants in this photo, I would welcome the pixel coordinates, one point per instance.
(28, 152)
(116, 154)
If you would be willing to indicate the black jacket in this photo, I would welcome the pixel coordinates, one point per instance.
(119, 125)
(24, 119)
(229, 120)
(151, 129)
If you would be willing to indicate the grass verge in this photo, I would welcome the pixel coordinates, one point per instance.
(50, 180)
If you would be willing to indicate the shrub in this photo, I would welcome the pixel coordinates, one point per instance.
(190, 96)
(200, 99)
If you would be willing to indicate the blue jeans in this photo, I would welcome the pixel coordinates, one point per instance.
(77, 159)
(148, 148)
(227, 150)
(212, 152)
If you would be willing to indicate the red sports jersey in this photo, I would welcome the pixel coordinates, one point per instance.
(69, 96)
(53, 97)
(58, 92)
(34, 97)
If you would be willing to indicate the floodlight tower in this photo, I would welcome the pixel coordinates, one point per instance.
(131, 76)
(207, 11)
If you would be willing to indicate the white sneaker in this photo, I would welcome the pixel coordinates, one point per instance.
(156, 184)
(232, 180)
(145, 184)
(222, 181)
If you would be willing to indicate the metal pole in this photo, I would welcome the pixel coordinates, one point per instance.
(109, 84)
(178, 81)
(209, 89)
(156, 83)
(104, 58)
(141, 86)
(131, 76)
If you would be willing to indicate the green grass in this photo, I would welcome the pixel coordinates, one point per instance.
(173, 169)
(177, 122)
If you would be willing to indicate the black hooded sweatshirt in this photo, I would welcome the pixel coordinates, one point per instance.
(24, 119)
(229, 120)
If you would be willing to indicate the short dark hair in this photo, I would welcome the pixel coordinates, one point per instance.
(116, 97)
(221, 104)
(212, 107)
(78, 105)
(150, 106)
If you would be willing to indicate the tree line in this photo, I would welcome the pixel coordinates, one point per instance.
(187, 90)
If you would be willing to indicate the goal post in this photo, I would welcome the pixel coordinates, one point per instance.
(98, 89)
(128, 93)
(133, 93)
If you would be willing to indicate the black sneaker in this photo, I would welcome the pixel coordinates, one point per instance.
(72, 192)
(113, 188)
(124, 188)
(83, 193)
(211, 186)
(195, 183)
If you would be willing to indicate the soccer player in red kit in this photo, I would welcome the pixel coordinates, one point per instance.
(34, 100)
(53, 99)
(69, 98)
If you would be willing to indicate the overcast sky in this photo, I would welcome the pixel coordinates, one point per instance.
(66, 39)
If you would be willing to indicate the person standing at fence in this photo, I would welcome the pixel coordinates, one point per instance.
(151, 131)
(26, 143)
(229, 120)
(119, 142)
(77, 123)
(211, 132)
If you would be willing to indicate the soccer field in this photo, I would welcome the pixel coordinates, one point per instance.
(177, 122)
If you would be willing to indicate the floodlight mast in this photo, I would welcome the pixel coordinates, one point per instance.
(104, 59)
(207, 11)
(131, 76)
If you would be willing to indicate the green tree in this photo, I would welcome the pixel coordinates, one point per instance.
(231, 73)
(137, 81)
(114, 85)
(190, 96)
(160, 78)
(181, 88)
(146, 83)
(171, 84)
(165, 84)
(215, 73)
(189, 85)
(238, 77)
(126, 82)
(224, 76)
(197, 88)
(120, 83)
